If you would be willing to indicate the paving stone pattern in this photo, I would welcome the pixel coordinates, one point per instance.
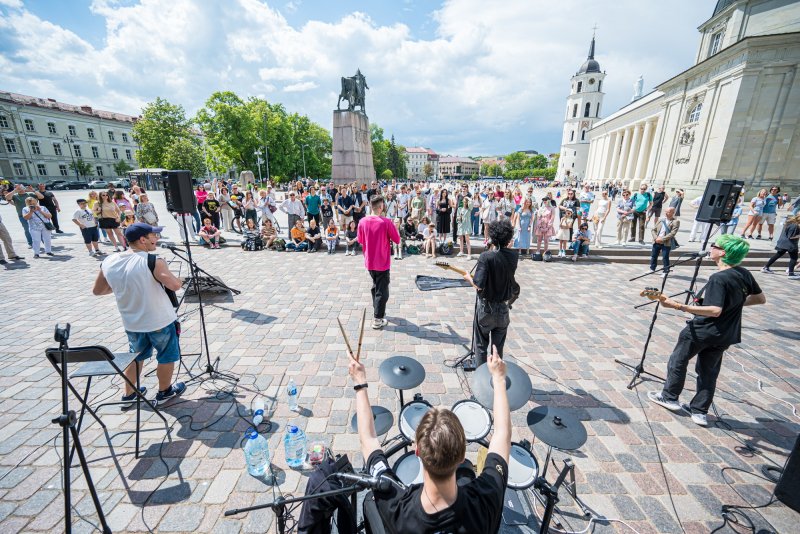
(568, 326)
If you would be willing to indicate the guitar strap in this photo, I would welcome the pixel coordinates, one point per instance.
(151, 264)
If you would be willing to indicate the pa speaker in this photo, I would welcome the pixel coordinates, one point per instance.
(179, 191)
(788, 488)
(719, 199)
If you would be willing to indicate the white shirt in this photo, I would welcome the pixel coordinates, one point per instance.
(293, 207)
(142, 302)
(85, 217)
(602, 206)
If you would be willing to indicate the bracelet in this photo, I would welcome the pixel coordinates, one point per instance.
(358, 387)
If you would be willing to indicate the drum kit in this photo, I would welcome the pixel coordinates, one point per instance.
(555, 427)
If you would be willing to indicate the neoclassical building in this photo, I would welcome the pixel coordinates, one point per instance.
(41, 137)
(735, 114)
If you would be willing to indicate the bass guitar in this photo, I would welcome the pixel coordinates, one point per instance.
(515, 289)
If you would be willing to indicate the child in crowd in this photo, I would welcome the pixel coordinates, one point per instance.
(252, 237)
(398, 247)
(351, 239)
(580, 247)
(429, 241)
(209, 234)
(268, 233)
(297, 237)
(88, 225)
(563, 233)
(331, 234)
(327, 212)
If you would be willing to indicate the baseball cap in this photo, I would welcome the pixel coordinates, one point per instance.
(138, 230)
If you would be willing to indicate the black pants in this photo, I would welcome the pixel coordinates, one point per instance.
(54, 218)
(659, 248)
(314, 244)
(779, 254)
(490, 326)
(317, 217)
(380, 292)
(707, 367)
(316, 514)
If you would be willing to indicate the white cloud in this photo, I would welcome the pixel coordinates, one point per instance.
(492, 79)
(292, 6)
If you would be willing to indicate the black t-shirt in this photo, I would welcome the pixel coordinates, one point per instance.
(371, 192)
(658, 198)
(312, 232)
(494, 274)
(785, 241)
(327, 210)
(49, 201)
(727, 289)
(478, 507)
(211, 206)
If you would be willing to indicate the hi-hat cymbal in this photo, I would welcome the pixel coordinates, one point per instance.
(518, 386)
(401, 372)
(557, 427)
(383, 420)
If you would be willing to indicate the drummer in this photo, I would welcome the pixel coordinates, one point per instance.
(439, 504)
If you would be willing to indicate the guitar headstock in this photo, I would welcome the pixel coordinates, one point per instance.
(443, 264)
(653, 293)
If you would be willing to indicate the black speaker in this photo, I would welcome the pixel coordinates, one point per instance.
(179, 191)
(788, 488)
(719, 199)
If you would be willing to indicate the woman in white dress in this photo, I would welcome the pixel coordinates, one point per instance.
(599, 219)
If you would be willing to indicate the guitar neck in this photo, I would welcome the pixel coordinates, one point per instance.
(462, 272)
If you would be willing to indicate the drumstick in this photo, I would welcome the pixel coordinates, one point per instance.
(361, 334)
(344, 335)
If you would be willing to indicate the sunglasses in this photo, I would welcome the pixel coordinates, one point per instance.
(717, 247)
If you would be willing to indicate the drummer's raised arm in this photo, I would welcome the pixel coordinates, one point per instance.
(500, 443)
(366, 424)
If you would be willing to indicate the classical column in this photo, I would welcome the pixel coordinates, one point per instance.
(612, 171)
(611, 139)
(634, 154)
(644, 153)
(623, 156)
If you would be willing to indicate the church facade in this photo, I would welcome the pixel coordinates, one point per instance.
(735, 114)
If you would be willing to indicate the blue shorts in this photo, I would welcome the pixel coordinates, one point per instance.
(165, 341)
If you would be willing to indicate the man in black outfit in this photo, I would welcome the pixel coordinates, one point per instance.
(717, 324)
(51, 203)
(494, 281)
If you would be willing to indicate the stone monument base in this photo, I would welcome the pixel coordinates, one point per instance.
(352, 148)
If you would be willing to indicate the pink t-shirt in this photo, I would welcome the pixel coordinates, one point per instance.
(374, 234)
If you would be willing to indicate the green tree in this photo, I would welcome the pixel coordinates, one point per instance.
(185, 154)
(516, 161)
(537, 161)
(229, 129)
(427, 170)
(394, 158)
(121, 168)
(160, 125)
(83, 168)
(386, 174)
(380, 149)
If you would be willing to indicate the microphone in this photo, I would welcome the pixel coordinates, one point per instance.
(173, 248)
(701, 254)
(379, 483)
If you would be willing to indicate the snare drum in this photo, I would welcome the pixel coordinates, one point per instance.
(522, 468)
(476, 420)
(410, 416)
(408, 468)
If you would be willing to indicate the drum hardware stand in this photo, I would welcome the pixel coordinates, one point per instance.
(550, 494)
(571, 486)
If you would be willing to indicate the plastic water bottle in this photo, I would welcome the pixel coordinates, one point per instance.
(291, 389)
(258, 411)
(256, 453)
(295, 443)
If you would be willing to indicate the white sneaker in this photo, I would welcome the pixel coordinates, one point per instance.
(671, 405)
(699, 419)
(469, 256)
(377, 324)
(460, 254)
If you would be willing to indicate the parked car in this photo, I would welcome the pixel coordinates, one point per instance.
(55, 184)
(98, 184)
(69, 185)
(124, 183)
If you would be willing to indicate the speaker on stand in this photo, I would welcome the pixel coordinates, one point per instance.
(179, 191)
(788, 488)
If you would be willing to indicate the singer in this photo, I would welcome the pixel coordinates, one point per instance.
(716, 324)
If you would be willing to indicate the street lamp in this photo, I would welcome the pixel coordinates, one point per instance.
(303, 151)
(68, 140)
(257, 154)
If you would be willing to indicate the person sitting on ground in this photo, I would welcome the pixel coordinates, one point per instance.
(331, 236)
(313, 235)
(580, 245)
(429, 241)
(297, 237)
(88, 225)
(410, 228)
(251, 237)
(399, 247)
(351, 238)
(209, 234)
(268, 233)
(421, 227)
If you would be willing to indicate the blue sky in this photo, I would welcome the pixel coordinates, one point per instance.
(467, 77)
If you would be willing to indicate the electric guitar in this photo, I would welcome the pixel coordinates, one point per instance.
(447, 267)
(515, 289)
(653, 293)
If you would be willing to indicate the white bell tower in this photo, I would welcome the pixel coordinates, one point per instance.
(583, 110)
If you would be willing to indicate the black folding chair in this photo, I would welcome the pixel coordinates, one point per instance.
(99, 362)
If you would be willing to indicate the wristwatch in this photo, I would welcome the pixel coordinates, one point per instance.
(360, 386)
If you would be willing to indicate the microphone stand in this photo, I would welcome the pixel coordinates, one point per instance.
(467, 361)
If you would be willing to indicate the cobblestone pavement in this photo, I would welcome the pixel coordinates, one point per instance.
(567, 328)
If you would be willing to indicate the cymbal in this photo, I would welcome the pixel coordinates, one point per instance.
(384, 420)
(557, 427)
(518, 386)
(401, 372)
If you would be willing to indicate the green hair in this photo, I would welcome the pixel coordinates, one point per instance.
(735, 248)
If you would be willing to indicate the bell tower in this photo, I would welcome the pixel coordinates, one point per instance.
(583, 110)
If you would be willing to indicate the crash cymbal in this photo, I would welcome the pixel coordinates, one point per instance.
(557, 427)
(518, 386)
(401, 372)
(384, 420)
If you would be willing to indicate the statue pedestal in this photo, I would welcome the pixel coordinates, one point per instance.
(352, 148)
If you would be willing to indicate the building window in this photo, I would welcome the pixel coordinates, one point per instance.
(599, 85)
(95, 152)
(29, 125)
(598, 110)
(716, 43)
(124, 138)
(111, 136)
(3, 121)
(115, 153)
(694, 114)
(42, 168)
(51, 127)
(11, 146)
(35, 149)
(586, 109)
(583, 135)
(62, 169)
(72, 130)
(572, 136)
(575, 111)
(90, 132)
(57, 149)
(99, 170)
(18, 169)
(128, 154)
(77, 149)
(580, 86)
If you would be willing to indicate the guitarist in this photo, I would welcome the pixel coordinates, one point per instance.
(716, 324)
(495, 284)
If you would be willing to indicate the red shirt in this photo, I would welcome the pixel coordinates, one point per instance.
(374, 234)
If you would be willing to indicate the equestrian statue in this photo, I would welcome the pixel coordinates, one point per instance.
(353, 90)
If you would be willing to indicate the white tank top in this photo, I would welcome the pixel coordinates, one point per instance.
(142, 302)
